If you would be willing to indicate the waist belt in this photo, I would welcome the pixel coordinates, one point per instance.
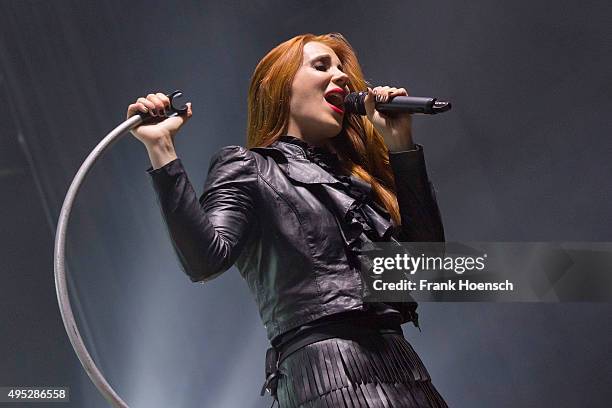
(276, 355)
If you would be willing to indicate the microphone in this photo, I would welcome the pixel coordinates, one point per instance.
(353, 103)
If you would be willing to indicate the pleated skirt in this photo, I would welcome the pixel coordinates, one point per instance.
(375, 371)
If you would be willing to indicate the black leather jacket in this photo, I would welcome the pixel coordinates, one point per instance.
(260, 210)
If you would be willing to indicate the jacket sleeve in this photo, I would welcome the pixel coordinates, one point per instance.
(208, 234)
(421, 220)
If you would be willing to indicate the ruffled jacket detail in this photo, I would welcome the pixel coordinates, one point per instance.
(364, 222)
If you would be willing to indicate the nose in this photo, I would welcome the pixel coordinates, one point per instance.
(340, 78)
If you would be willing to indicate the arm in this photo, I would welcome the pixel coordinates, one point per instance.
(420, 216)
(421, 220)
(208, 234)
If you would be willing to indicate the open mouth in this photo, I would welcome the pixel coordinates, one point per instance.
(335, 99)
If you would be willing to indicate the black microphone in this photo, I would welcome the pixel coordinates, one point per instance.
(353, 103)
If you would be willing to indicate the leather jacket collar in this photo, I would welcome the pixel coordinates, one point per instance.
(292, 160)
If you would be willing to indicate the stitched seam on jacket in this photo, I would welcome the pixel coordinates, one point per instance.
(301, 221)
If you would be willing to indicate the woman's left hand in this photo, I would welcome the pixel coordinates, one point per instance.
(395, 128)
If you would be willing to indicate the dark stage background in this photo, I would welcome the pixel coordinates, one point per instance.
(523, 156)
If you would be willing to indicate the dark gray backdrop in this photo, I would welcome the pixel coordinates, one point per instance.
(523, 156)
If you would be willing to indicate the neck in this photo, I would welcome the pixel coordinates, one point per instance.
(313, 135)
(311, 141)
(324, 144)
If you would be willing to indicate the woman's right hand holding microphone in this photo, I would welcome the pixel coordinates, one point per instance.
(158, 133)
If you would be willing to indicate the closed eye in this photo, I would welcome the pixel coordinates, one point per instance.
(324, 62)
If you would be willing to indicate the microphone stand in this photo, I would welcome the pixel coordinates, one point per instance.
(61, 286)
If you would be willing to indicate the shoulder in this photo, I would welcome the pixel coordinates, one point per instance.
(232, 165)
(232, 155)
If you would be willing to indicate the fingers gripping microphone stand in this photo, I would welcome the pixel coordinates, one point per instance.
(60, 249)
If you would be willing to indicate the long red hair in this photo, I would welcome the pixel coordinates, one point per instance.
(360, 148)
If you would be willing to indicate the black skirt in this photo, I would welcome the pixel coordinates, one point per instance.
(380, 370)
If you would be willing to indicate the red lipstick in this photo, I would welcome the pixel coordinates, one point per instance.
(336, 96)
